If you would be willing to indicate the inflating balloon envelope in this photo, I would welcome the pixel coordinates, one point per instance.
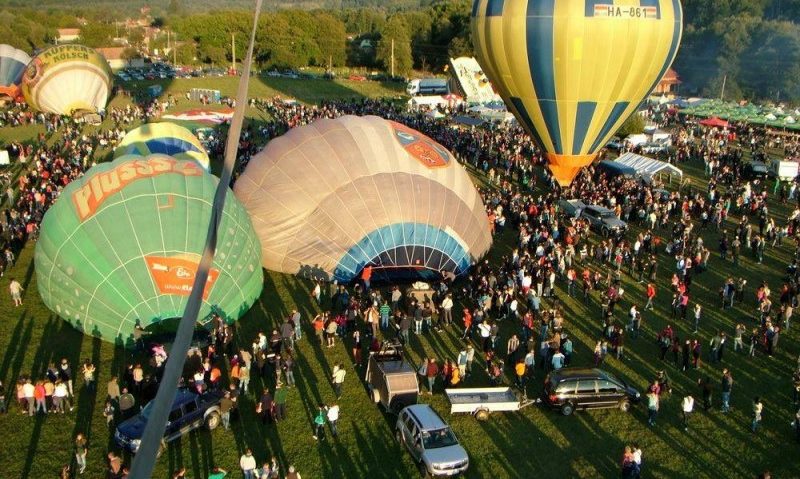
(122, 244)
(331, 197)
(573, 71)
(165, 138)
(67, 80)
(12, 66)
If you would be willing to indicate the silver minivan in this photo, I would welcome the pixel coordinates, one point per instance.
(431, 442)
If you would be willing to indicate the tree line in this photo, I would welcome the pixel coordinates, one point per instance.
(750, 46)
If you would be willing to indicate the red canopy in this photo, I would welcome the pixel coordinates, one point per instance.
(714, 122)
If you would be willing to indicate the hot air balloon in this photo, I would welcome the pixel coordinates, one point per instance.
(123, 242)
(67, 79)
(572, 71)
(165, 138)
(331, 197)
(12, 67)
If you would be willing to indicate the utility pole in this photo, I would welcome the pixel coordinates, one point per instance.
(330, 63)
(722, 91)
(392, 57)
(174, 54)
(233, 51)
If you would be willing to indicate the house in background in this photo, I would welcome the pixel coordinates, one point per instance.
(668, 85)
(67, 35)
(114, 57)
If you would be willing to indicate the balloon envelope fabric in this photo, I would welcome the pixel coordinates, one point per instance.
(329, 198)
(165, 138)
(12, 67)
(67, 79)
(123, 242)
(572, 71)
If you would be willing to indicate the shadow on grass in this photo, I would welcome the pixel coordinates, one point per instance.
(14, 356)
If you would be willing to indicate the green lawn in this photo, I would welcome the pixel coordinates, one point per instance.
(307, 91)
(534, 442)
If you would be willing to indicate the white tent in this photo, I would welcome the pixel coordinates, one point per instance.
(648, 167)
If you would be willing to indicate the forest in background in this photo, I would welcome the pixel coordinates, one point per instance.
(752, 46)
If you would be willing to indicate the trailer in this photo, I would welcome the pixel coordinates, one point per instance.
(391, 379)
(480, 402)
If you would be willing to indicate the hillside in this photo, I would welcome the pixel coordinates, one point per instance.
(198, 6)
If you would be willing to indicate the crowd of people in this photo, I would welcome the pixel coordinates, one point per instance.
(552, 251)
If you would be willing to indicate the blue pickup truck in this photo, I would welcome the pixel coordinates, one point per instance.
(189, 412)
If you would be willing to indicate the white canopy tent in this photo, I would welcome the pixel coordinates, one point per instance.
(646, 167)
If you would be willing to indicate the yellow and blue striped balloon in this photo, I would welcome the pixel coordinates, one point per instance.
(572, 71)
(165, 138)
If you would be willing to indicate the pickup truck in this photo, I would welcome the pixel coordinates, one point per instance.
(189, 412)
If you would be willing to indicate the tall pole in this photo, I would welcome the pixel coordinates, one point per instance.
(722, 91)
(175, 54)
(233, 51)
(392, 57)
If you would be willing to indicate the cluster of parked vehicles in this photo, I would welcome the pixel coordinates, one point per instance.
(392, 383)
(151, 71)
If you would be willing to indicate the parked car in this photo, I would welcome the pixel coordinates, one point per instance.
(189, 412)
(431, 442)
(755, 170)
(391, 379)
(603, 220)
(571, 208)
(577, 388)
(654, 148)
(615, 144)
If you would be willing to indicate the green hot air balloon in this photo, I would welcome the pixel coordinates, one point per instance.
(123, 243)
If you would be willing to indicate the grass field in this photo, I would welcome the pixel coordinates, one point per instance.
(306, 91)
(534, 442)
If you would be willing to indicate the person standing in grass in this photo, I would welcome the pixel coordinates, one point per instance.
(281, 395)
(698, 311)
(81, 450)
(248, 464)
(431, 371)
(470, 359)
(727, 385)
(339, 373)
(652, 408)
(796, 425)
(687, 406)
(88, 371)
(758, 408)
(319, 424)
(293, 474)
(16, 290)
(225, 406)
(217, 473)
(333, 418)
(108, 413)
(319, 327)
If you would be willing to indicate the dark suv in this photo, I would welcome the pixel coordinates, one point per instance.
(570, 388)
(189, 411)
(604, 220)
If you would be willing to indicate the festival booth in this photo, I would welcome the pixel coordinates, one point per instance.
(714, 122)
(614, 169)
(647, 168)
